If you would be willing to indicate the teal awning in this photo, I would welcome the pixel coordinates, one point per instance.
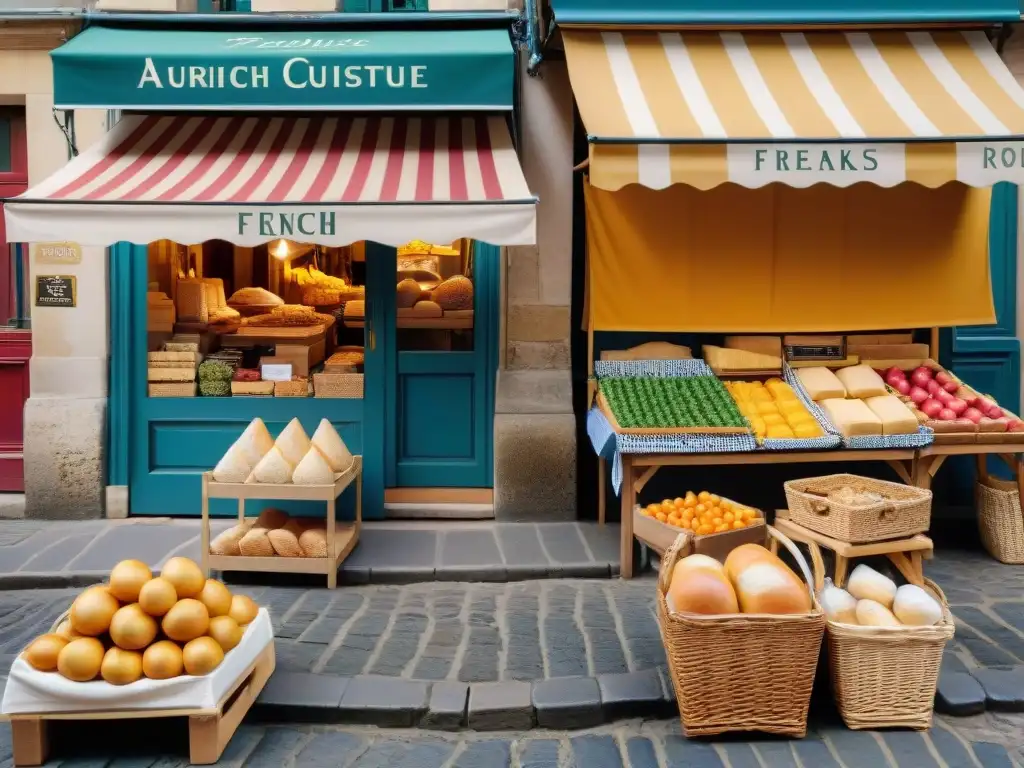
(655, 13)
(407, 70)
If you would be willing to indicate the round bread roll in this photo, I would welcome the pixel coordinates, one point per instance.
(285, 541)
(873, 614)
(701, 590)
(271, 518)
(313, 542)
(157, 596)
(226, 543)
(255, 543)
(127, 578)
(764, 584)
(915, 607)
(868, 584)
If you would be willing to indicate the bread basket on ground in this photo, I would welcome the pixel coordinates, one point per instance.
(741, 672)
(1000, 521)
(885, 677)
(905, 511)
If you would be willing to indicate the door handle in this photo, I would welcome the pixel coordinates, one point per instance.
(372, 338)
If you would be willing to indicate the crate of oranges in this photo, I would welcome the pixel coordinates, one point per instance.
(716, 525)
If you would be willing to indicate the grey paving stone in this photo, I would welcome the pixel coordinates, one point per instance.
(497, 573)
(986, 653)
(603, 541)
(640, 753)
(632, 694)
(567, 703)
(668, 690)
(776, 754)
(959, 694)
(953, 752)
(469, 548)
(147, 542)
(58, 553)
(446, 710)
(1003, 636)
(563, 543)
(331, 749)
(276, 748)
(909, 748)
(991, 755)
(302, 697)
(952, 662)
(539, 753)
(1004, 688)
(520, 544)
(814, 752)
(402, 754)
(856, 749)
(596, 752)
(500, 706)
(740, 755)
(485, 754)
(395, 548)
(693, 754)
(384, 701)
(401, 574)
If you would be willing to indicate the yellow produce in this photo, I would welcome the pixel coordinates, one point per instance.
(216, 597)
(42, 652)
(202, 655)
(162, 661)
(121, 667)
(225, 631)
(185, 575)
(702, 513)
(80, 659)
(65, 630)
(92, 611)
(127, 579)
(243, 609)
(187, 620)
(774, 410)
(132, 629)
(157, 596)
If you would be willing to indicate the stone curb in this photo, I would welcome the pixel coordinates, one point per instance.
(350, 575)
(564, 703)
(971, 692)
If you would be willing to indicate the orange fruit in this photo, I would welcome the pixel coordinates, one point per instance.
(748, 515)
(737, 524)
(667, 507)
(677, 501)
(700, 509)
(703, 496)
(717, 521)
(716, 511)
(690, 500)
(687, 524)
(652, 509)
(687, 514)
(728, 517)
(722, 527)
(661, 517)
(715, 499)
(704, 530)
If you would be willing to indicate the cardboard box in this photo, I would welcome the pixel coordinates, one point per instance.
(301, 357)
(660, 536)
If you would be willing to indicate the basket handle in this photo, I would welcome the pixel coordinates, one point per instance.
(783, 539)
(887, 512)
(821, 508)
(677, 550)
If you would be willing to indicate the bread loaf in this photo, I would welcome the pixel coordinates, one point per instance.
(914, 606)
(285, 541)
(868, 584)
(256, 544)
(764, 584)
(271, 519)
(701, 590)
(838, 604)
(874, 614)
(226, 543)
(313, 542)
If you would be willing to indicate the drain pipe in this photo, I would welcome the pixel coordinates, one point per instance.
(533, 36)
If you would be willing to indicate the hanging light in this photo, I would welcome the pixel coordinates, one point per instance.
(280, 250)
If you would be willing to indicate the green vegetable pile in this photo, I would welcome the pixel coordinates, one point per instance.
(214, 388)
(214, 370)
(650, 403)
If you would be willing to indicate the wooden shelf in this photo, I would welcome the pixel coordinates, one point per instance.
(341, 537)
(426, 323)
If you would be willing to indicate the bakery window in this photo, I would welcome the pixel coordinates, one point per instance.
(224, 321)
(434, 302)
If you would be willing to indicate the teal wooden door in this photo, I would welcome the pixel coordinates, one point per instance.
(439, 403)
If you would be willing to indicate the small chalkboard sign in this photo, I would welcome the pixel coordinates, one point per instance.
(56, 291)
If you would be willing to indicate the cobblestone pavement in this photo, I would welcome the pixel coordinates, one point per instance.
(633, 744)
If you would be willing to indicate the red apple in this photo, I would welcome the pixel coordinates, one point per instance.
(982, 404)
(943, 378)
(1016, 426)
(956, 405)
(932, 386)
(931, 408)
(921, 377)
(950, 386)
(918, 395)
(973, 414)
(943, 396)
(946, 415)
(995, 412)
(902, 386)
(1003, 422)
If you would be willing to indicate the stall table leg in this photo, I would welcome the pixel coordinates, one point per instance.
(628, 502)
(602, 479)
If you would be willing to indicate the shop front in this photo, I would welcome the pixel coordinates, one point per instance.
(777, 191)
(324, 214)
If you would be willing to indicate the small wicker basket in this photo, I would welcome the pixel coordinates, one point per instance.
(1000, 521)
(759, 671)
(172, 389)
(349, 385)
(299, 388)
(885, 677)
(906, 512)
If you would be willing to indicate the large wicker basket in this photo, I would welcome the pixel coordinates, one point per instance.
(740, 672)
(885, 677)
(907, 510)
(1000, 521)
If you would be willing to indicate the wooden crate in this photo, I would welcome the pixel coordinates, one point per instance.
(209, 730)
(660, 536)
(338, 385)
(341, 537)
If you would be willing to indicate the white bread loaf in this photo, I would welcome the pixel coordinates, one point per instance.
(874, 614)
(868, 584)
(915, 607)
(838, 604)
(765, 584)
(699, 561)
(701, 590)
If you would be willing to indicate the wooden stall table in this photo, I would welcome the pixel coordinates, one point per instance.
(907, 554)
(638, 469)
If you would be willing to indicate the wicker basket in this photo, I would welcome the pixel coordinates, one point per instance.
(885, 677)
(348, 385)
(173, 389)
(740, 672)
(906, 512)
(999, 516)
(298, 388)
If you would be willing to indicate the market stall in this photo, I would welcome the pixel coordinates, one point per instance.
(814, 205)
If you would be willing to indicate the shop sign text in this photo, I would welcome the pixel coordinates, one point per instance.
(983, 163)
(287, 224)
(55, 291)
(57, 253)
(802, 165)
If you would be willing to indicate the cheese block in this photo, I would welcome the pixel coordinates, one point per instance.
(861, 381)
(896, 418)
(852, 417)
(765, 345)
(721, 359)
(821, 383)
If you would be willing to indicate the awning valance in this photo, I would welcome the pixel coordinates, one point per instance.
(316, 179)
(172, 69)
(752, 108)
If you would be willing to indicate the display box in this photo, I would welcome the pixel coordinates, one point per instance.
(660, 536)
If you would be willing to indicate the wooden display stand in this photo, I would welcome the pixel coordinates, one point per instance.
(907, 554)
(209, 730)
(341, 537)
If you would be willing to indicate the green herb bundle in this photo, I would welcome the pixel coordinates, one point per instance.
(671, 403)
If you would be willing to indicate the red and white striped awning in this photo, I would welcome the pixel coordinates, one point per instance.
(252, 179)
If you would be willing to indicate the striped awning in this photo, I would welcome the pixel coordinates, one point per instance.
(752, 108)
(252, 179)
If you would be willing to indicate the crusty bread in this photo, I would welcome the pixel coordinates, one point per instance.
(701, 590)
(256, 544)
(226, 543)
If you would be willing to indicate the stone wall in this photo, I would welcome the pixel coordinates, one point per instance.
(65, 416)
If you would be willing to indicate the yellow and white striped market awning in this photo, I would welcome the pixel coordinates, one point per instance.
(752, 108)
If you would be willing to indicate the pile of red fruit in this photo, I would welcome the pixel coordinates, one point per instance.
(940, 397)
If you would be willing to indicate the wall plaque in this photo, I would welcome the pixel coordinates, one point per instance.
(57, 253)
(55, 291)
